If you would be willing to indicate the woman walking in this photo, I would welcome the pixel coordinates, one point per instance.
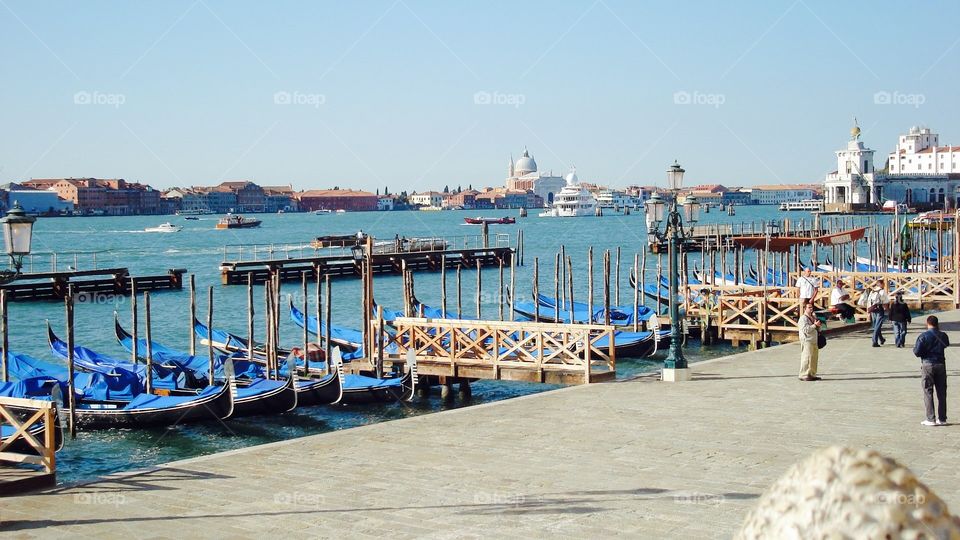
(809, 353)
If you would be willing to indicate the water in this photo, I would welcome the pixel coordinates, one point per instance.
(121, 242)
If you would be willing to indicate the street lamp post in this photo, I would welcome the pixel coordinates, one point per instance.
(675, 366)
(17, 238)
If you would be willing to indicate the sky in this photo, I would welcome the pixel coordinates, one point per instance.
(415, 95)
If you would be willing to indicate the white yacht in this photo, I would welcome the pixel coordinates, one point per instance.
(614, 199)
(573, 200)
(811, 205)
(164, 228)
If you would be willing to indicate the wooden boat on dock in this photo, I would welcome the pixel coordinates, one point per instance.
(233, 221)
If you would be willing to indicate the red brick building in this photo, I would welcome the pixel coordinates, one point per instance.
(115, 197)
(337, 199)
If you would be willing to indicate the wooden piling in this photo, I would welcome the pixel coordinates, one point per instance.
(606, 284)
(479, 292)
(570, 289)
(636, 294)
(193, 314)
(329, 309)
(513, 290)
(556, 287)
(210, 335)
(590, 302)
(536, 288)
(4, 329)
(149, 334)
(500, 292)
(459, 293)
(134, 322)
(71, 387)
(618, 277)
(443, 286)
(306, 330)
(250, 314)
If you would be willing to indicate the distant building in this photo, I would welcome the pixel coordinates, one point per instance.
(337, 199)
(249, 196)
(115, 197)
(33, 201)
(781, 193)
(466, 199)
(386, 203)
(737, 197)
(522, 174)
(279, 198)
(919, 152)
(433, 199)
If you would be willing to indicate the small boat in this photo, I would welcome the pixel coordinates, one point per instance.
(345, 338)
(506, 220)
(338, 240)
(935, 220)
(233, 221)
(119, 399)
(164, 228)
(195, 212)
(322, 212)
(809, 205)
(191, 218)
(891, 205)
(341, 211)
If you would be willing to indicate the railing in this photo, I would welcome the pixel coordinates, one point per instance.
(918, 288)
(384, 246)
(44, 453)
(532, 346)
(44, 262)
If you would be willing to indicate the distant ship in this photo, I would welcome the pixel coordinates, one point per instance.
(164, 228)
(231, 221)
(573, 200)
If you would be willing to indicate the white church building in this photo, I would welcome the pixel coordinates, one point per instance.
(926, 183)
(522, 174)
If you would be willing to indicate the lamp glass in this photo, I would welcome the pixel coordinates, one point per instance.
(675, 176)
(654, 208)
(691, 209)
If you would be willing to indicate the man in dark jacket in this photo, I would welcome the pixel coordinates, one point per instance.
(900, 315)
(930, 349)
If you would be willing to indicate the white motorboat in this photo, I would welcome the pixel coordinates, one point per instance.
(164, 228)
(573, 200)
(322, 211)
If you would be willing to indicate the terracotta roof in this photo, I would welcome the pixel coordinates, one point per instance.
(335, 193)
(929, 150)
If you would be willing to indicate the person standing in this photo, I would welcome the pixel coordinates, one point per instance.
(930, 349)
(900, 316)
(838, 302)
(877, 303)
(808, 287)
(809, 352)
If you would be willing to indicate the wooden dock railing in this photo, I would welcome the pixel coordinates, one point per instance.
(44, 452)
(504, 350)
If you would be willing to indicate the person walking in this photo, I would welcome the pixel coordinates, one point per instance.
(838, 302)
(809, 352)
(929, 349)
(900, 316)
(808, 287)
(877, 303)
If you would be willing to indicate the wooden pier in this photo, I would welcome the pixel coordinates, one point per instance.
(717, 235)
(293, 261)
(502, 350)
(88, 284)
(15, 476)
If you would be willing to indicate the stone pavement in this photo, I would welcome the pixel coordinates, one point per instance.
(636, 459)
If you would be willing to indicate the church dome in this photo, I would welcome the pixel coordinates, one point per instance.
(571, 177)
(525, 164)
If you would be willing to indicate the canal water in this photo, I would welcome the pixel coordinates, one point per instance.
(199, 248)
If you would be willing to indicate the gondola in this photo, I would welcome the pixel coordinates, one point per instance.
(347, 339)
(356, 388)
(119, 399)
(489, 220)
(256, 394)
(619, 315)
(228, 343)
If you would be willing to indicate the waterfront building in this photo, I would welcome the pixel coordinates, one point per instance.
(33, 201)
(432, 199)
(386, 203)
(640, 193)
(250, 197)
(523, 175)
(465, 199)
(781, 193)
(919, 152)
(920, 182)
(115, 197)
(279, 198)
(337, 199)
(737, 197)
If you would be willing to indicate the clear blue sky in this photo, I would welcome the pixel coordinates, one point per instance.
(385, 92)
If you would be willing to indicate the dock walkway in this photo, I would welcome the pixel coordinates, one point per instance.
(636, 458)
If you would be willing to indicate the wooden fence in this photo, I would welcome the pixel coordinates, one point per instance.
(44, 452)
(537, 352)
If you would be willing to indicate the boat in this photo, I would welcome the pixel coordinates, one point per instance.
(322, 212)
(346, 338)
(338, 240)
(808, 205)
(119, 399)
(233, 221)
(195, 212)
(489, 220)
(782, 244)
(573, 200)
(164, 228)
(934, 220)
(191, 218)
(341, 211)
(256, 394)
(891, 205)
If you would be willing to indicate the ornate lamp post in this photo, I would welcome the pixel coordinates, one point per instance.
(17, 237)
(675, 366)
